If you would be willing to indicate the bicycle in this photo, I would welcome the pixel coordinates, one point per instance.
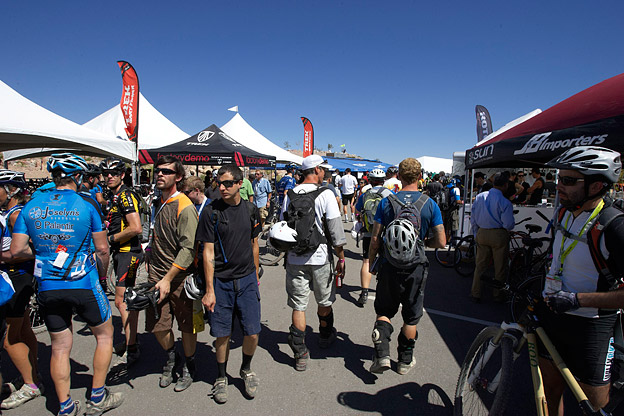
(485, 380)
(269, 255)
(446, 256)
(34, 314)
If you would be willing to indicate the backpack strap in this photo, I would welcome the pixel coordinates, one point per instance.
(559, 227)
(594, 235)
(215, 221)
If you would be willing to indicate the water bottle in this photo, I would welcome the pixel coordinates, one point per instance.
(339, 278)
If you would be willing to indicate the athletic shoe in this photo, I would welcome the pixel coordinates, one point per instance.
(132, 357)
(21, 396)
(75, 412)
(167, 375)
(362, 299)
(219, 390)
(120, 348)
(380, 365)
(404, 368)
(110, 401)
(13, 385)
(326, 342)
(251, 382)
(185, 381)
(301, 361)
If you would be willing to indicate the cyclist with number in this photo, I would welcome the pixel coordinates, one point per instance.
(583, 300)
(62, 225)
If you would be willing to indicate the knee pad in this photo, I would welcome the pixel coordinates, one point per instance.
(381, 338)
(296, 340)
(329, 323)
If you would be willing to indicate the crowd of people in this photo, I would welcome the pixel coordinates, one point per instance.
(203, 248)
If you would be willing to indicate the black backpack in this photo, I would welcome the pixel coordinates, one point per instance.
(300, 216)
(411, 212)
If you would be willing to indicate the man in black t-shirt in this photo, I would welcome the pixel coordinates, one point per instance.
(537, 189)
(229, 229)
(434, 187)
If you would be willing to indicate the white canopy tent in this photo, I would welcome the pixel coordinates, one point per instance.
(242, 132)
(26, 125)
(435, 164)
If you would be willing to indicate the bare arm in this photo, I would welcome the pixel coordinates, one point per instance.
(256, 255)
(19, 246)
(134, 228)
(606, 300)
(375, 242)
(438, 240)
(209, 300)
(101, 250)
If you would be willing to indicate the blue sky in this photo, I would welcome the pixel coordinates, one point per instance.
(388, 79)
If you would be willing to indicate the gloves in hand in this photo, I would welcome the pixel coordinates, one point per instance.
(561, 302)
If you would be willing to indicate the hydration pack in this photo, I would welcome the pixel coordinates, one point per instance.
(403, 247)
(371, 201)
(300, 216)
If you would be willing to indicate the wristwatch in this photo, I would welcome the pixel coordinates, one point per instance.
(110, 239)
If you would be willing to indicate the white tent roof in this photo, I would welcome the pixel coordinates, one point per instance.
(24, 124)
(435, 164)
(246, 135)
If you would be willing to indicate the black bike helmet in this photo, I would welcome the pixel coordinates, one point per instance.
(590, 160)
(93, 170)
(11, 177)
(392, 170)
(113, 163)
(141, 297)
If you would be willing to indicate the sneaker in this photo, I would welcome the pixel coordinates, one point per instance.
(362, 299)
(132, 357)
(219, 390)
(327, 342)
(75, 412)
(380, 365)
(404, 368)
(21, 396)
(13, 385)
(301, 361)
(167, 375)
(110, 401)
(185, 381)
(251, 382)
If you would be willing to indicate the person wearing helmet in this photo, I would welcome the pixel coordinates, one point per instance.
(124, 228)
(392, 182)
(91, 184)
(20, 341)
(366, 215)
(583, 300)
(67, 276)
(229, 229)
(399, 286)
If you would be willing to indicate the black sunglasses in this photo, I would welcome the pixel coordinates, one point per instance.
(164, 171)
(227, 184)
(569, 180)
(111, 172)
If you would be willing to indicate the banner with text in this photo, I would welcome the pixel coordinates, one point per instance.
(130, 99)
(308, 137)
(484, 122)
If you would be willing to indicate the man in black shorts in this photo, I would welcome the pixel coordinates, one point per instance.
(348, 185)
(127, 254)
(583, 301)
(229, 229)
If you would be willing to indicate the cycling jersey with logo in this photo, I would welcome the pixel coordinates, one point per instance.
(61, 221)
(124, 202)
(7, 233)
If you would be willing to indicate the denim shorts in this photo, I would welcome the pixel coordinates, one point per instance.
(302, 279)
(240, 297)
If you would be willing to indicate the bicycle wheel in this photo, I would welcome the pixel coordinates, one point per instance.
(446, 256)
(36, 318)
(517, 270)
(466, 254)
(531, 288)
(269, 255)
(483, 386)
(111, 279)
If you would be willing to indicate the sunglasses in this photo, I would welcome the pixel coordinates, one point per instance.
(164, 171)
(569, 180)
(521, 176)
(227, 184)
(111, 173)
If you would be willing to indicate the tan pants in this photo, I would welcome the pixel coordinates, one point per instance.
(493, 244)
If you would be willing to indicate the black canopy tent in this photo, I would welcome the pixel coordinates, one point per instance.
(211, 146)
(594, 116)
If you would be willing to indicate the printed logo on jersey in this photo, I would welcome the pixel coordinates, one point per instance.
(55, 238)
(37, 213)
(57, 197)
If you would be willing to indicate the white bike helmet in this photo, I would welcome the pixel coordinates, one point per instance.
(192, 287)
(377, 174)
(590, 160)
(282, 237)
(400, 241)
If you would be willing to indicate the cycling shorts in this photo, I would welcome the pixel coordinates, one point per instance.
(365, 246)
(346, 199)
(583, 343)
(397, 287)
(57, 307)
(24, 285)
(126, 267)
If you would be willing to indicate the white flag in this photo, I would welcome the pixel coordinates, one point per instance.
(235, 109)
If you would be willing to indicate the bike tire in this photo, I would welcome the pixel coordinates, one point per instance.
(111, 278)
(446, 256)
(517, 269)
(268, 255)
(474, 399)
(466, 257)
(531, 287)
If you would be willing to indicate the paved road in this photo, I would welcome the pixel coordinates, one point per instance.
(337, 380)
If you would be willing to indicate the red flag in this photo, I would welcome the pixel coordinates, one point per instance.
(308, 137)
(130, 99)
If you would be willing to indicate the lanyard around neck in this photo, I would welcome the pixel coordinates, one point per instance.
(563, 254)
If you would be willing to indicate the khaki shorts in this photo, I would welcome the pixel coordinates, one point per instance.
(301, 280)
(176, 304)
(263, 213)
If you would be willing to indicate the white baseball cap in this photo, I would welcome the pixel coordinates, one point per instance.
(313, 161)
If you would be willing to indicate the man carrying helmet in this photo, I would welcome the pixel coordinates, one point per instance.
(124, 229)
(20, 342)
(366, 206)
(401, 286)
(62, 226)
(583, 298)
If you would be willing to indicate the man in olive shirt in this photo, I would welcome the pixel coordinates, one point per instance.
(172, 252)
(246, 190)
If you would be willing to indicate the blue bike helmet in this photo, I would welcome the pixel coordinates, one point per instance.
(67, 163)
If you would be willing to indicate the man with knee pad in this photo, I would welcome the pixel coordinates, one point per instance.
(402, 273)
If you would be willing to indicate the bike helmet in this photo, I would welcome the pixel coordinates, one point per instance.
(93, 170)
(113, 163)
(194, 287)
(400, 241)
(590, 160)
(141, 297)
(377, 174)
(67, 163)
(282, 237)
(393, 170)
(11, 177)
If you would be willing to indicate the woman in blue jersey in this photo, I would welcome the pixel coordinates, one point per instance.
(62, 225)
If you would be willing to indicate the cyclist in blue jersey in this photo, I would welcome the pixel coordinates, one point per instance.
(20, 341)
(287, 182)
(62, 225)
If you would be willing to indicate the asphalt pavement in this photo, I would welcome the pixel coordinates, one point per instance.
(337, 380)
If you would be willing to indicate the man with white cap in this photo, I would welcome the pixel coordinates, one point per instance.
(308, 264)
